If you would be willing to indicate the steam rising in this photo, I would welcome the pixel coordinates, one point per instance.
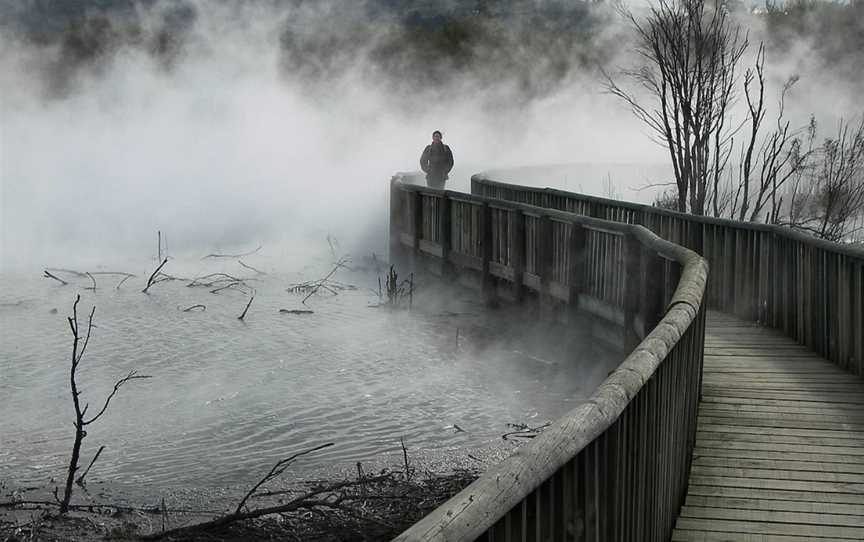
(231, 123)
(227, 146)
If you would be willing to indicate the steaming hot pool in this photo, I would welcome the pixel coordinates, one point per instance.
(229, 398)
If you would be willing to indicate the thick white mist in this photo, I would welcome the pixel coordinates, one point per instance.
(225, 149)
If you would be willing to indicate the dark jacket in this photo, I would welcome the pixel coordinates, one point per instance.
(436, 162)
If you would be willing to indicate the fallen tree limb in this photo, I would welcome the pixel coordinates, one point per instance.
(225, 287)
(70, 271)
(119, 284)
(251, 299)
(80, 479)
(155, 509)
(233, 255)
(153, 276)
(341, 263)
(89, 274)
(48, 275)
(296, 504)
(277, 470)
(251, 268)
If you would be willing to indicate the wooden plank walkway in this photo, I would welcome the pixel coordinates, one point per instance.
(780, 443)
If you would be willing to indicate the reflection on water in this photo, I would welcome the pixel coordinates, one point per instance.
(228, 398)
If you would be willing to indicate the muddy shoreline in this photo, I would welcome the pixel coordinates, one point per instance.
(379, 502)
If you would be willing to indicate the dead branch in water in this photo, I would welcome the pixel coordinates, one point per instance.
(209, 280)
(80, 479)
(343, 261)
(222, 281)
(82, 274)
(69, 271)
(194, 307)
(80, 421)
(396, 291)
(405, 458)
(251, 268)
(238, 284)
(48, 275)
(366, 508)
(524, 431)
(251, 299)
(233, 255)
(295, 311)
(150, 281)
(126, 276)
(276, 471)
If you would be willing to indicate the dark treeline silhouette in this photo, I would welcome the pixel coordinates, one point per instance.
(530, 46)
(525, 48)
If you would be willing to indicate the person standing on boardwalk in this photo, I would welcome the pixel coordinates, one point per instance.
(436, 161)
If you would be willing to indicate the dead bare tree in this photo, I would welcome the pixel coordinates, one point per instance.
(829, 201)
(81, 422)
(690, 51)
(764, 170)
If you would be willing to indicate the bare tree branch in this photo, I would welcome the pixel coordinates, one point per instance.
(48, 275)
(133, 375)
(251, 252)
(277, 470)
(150, 281)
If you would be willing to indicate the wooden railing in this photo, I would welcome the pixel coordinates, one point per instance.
(616, 467)
(812, 290)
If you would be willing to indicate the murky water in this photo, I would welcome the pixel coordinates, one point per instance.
(229, 398)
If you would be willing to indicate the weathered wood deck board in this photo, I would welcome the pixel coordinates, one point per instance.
(745, 451)
(780, 443)
(704, 536)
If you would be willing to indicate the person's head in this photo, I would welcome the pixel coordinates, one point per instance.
(436, 136)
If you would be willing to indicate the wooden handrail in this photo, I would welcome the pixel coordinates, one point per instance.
(810, 289)
(854, 250)
(616, 467)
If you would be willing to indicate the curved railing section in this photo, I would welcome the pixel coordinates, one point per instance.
(616, 467)
(810, 289)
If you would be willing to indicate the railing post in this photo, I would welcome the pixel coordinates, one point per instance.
(476, 187)
(416, 214)
(578, 263)
(517, 253)
(652, 306)
(544, 258)
(487, 285)
(445, 236)
(397, 251)
(632, 285)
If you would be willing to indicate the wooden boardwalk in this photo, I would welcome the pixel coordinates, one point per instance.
(780, 444)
